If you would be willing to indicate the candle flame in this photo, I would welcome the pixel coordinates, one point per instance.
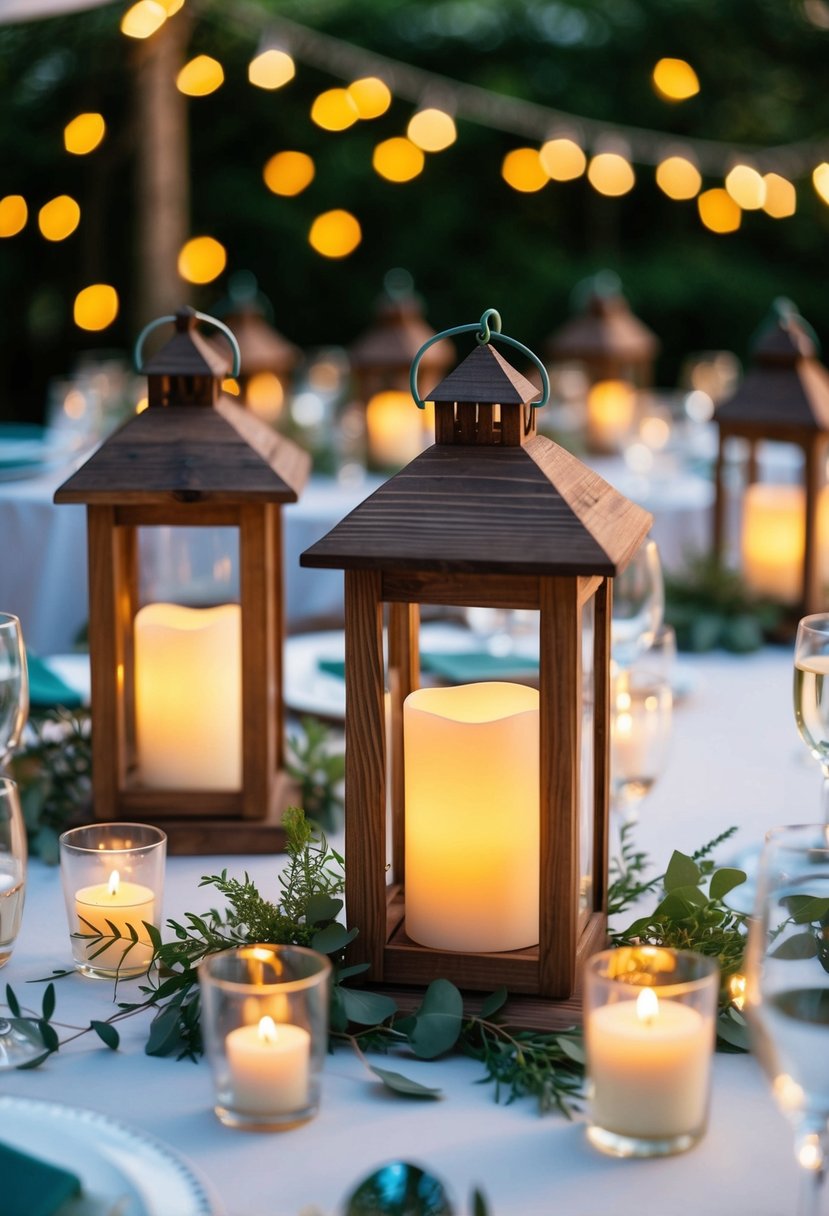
(737, 990)
(267, 1030)
(647, 1006)
(114, 882)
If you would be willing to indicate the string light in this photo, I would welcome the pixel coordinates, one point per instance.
(677, 177)
(201, 259)
(143, 19)
(171, 7)
(432, 130)
(271, 70)
(718, 211)
(820, 180)
(370, 95)
(289, 173)
(334, 110)
(95, 307)
(675, 80)
(59, 218)
(398, 159)
(231, 386)
(562, 159)
(84, 133)
(746, 187)
(13, 214)
(781, 197)
(611, 173)
(522, 169)
(335, 234)
(200, 77)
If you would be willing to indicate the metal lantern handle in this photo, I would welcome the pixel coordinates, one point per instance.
(486, 330)
(199, 316)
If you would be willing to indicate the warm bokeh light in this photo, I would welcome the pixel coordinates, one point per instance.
(746, 187)
(334, 110)
(562, 159)
(200, 77)
(59, 218)
(84, 133)
(781, 197)
(202, 259)
(678, 178)
(288, 173)
(675, 80)
(335, 234)
(231, 386)
(271, 69)
(265, 395)
(143, 19)
(610, 173)
(432, 130)
(820, 180)
(718, 211)
(142, 404)
(397, 159)
(96, 307)
(522, 169)
(13, 214)
(171, 7)
(370, 95)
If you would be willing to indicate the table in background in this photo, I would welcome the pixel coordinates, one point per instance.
(735, 759)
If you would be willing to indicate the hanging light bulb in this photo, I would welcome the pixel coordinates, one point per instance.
(143, 19)
(398, 159)
(370, 96)
(201, 259)
(432, 130)
(675, 80)
(84, 133)
(13, 214)
(334, 110)
(746, 187)
(718, 211)
(289, 173)
(678, 177)
(200, 77)
(562, 159)
(271, 69)
(781, 197)
(59, 218)
(95, 307)
(335, 234)
(611, 173)
(820, 181)
(522, 169)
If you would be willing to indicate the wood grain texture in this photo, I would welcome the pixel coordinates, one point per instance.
(404, 677)
(601, 743)
(258, 725)
(461, 590)
(231, 836)
(106, 652)
(484, 376)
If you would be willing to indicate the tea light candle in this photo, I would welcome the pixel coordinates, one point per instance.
(122, 903)
(648, 1061)
(188, 696)
(269, 1067)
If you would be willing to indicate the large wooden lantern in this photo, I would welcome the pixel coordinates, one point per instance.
(187, 702)
(498, 824)
(784, 532)
(267, 359)
(612, 353)
(380, 360)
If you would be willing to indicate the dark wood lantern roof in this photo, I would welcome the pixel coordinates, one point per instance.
(785, 393)
(606, 328)
(187, 353)
(398, 332)
(262, 348)
(532, 509)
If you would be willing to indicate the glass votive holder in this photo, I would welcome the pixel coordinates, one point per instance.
(113, 884)
(649, 1026)
(264, 1016)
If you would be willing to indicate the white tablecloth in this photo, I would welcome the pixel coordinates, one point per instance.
(735, 759)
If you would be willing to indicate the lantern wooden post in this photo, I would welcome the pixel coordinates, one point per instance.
(492, 515)
(784, 397)
(192, 459)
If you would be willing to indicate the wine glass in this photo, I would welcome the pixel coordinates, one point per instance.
(20, 1040)
(811, 692)
(14, 685)
(638, 604)
(641, 705)
(787, 990)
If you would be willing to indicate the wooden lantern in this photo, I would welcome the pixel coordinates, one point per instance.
(785, 528)
(187, 704)
(267, 360)
(491, 515)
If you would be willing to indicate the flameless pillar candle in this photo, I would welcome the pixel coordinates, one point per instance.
(395, 429)
(269, 1067)
(774, 538)
(188, 696)
(472, 816)
(611, 408)
(123, 904)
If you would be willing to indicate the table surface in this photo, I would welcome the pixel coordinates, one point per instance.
(735, 759)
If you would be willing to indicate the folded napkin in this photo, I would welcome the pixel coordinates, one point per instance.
(47, 689)
(31, 1187)
(463, 666)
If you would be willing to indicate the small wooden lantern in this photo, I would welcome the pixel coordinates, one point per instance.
(267, 360)
(491, 515)
(785, 528)
(614, 352)
(380, 361)
(187, 704)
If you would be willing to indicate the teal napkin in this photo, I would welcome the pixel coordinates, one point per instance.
(463, 667)
(31, 1187)
(47, 689)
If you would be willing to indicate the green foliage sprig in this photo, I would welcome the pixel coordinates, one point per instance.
(319, 770)
(711, 605)
(54, 773)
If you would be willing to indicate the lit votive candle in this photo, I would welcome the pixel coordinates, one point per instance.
(269, 1066)
(649, 1033)
(119, 905)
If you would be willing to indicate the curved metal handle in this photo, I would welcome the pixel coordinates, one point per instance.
(199, 316)
(484, 333)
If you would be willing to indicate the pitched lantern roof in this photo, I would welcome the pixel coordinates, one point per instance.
(532, 509)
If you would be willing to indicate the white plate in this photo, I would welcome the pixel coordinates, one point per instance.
(122, 1170)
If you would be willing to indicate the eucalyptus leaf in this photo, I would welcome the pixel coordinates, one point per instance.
(806, 908)
(333, 938)
(165, 1034)
(480, 1207)
(725, 880)
(12, 1002)
(48, 1034)
(572, 1048)
(107, 1034)
(48, 1006)
(680, 903)
(337, 1015)
(367, 1008)
(733, 1030)
(682, 871)
(495, 1001)
(345, 973)
(322, 907)
(438, 1020)
(404, 1085)
(798, 946)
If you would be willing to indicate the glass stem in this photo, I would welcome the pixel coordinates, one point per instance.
(824, 795)
(810, 1148)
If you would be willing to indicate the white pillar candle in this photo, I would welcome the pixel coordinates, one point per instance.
(773, 539)
(188, 696)
(472, 816)
(648, 1062)
(123, 904)
(269, 1067)
(395, 429)
(611, 410)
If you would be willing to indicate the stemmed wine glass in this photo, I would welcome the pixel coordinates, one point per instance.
(638, 604)
(787, 991)
(14, 685)
(811, 693)
(640, 729)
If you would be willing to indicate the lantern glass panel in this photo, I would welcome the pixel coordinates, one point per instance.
(586, 782)
(198, 567)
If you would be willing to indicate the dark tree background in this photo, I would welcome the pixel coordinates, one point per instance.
(467, 238)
